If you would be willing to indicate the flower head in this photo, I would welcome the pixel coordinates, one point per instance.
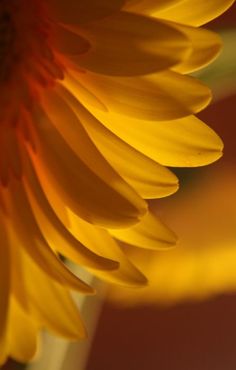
(95, 103)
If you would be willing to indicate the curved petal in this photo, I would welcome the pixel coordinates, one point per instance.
(23, 333)
(77, 171)
(194, 12)
(60, 314)
(162, 96)
(186, 142)
(80, 12)
(130, 44)
(150, 233)
(148, 178)
(67, 42)
(99, 241)
(56, 234)
(26, 234)
(206, 46)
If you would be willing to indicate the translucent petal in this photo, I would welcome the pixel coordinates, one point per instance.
(162, 96)
(186, 142)
(206, 46)
(150, 233)
(99, 240)
(23, 333)
(56, 234)
(60, 313)
(148, 178)
(81, 176)
(28, 236)
(194, 12)
(130, 44)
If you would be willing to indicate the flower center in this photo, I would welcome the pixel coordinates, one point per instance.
(28, 65)
(27, 62)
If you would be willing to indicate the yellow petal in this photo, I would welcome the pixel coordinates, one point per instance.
(56, 234)
(162, 96)
(206, 46)
(99, 241)
(130, 44)
(82, 177)
(60, 313)
(148, 178)
(194, 12)
(186, 142)
(27, 235)
(22, 330)
(150, 233)
(82, 11)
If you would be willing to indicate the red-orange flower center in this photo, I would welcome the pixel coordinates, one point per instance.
(27, 62)
(27, 66)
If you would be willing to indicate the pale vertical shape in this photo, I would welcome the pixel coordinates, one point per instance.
(60, 354)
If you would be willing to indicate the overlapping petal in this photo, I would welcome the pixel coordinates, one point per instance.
(126, 44)
(147, 177)
(100, 241)
(162, 96)
(88, 185)
(194, 12)
(186, 142)
(96, 108)
(79, 12)
(150, 233)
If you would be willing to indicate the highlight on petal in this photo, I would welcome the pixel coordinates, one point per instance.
(187, 142)
(23, 333)
(27, 235)
(60, 314)
(94, 105)
(162, 96)
(99, 241)
(147, 177)
(128, 44)
(86, 182)
(56, 234)
(150, 233)
(194, 12)
(206, 46)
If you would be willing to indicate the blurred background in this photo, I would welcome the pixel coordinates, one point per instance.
(186, 319)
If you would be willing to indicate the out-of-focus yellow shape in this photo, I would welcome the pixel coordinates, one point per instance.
(203, 263)
(94, 104)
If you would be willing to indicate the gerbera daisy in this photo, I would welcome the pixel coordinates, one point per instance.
(94, 104)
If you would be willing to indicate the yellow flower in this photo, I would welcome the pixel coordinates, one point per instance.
(94, 104)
